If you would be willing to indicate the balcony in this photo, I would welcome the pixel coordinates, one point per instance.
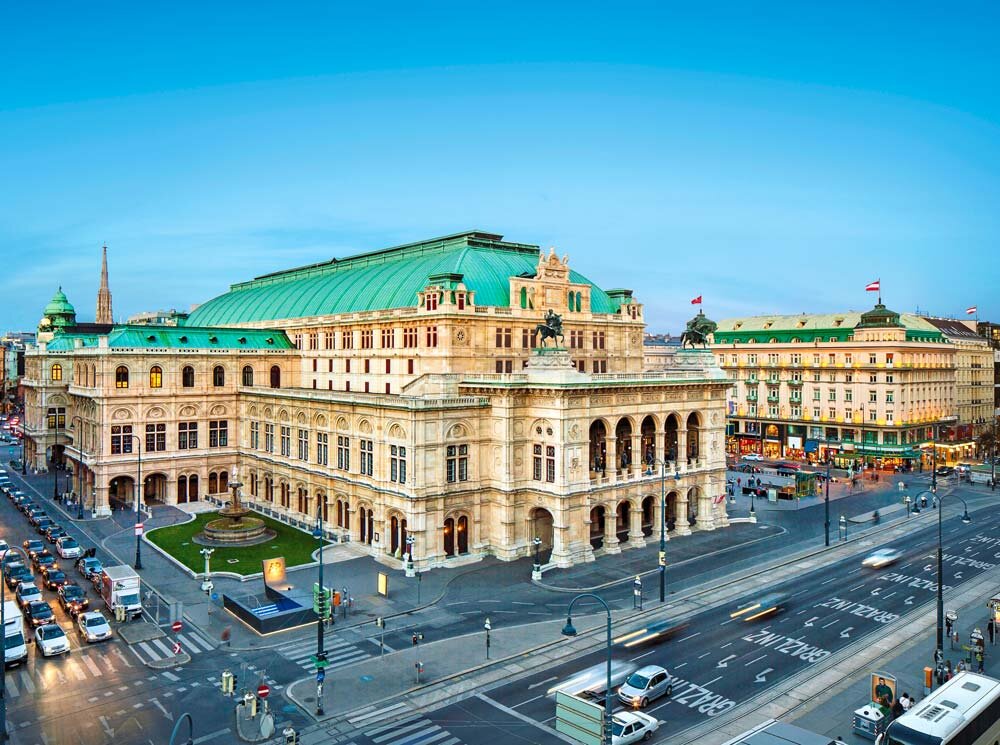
(773, 399)
(796, 383)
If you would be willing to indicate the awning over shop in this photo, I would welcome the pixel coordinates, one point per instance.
(888, 451)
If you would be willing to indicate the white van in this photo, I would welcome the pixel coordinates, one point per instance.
(15, 651)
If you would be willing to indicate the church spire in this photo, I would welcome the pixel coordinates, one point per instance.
(104, 294)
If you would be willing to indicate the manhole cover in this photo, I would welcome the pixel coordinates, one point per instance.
(309, 699)
(367, 678)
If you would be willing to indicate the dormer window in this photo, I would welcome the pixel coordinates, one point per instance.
(269, 340)
(213, 339)
(183, 339)
(151, 337)
(737, 325)
(242, 340)
(837, 322)
(801, 324)
(768, 324)
(431, 301)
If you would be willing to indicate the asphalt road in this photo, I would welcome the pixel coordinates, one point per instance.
(719, 662)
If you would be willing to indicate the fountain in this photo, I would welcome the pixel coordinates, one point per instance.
(234, 527)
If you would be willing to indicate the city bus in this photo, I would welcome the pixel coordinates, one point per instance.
(964, 711)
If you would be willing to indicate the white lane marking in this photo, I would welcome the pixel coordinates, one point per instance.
(689, 636)
(528, 701)
(798, 593)
(712, 681)
(856, 587)
(543, 682)
(832, 579)
(643, 655)
(758, 659)
(678, 667)
(92, 666)
(828, 625)
(704, 655)
(729, 644)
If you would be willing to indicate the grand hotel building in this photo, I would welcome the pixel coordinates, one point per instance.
(399, 393)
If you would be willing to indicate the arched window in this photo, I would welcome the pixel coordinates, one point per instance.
(224, 482)
(213, 483)
(248, 376)
(218, 376)
(275, 376)
(569, 301)
(121, 377)
(182, 489)
(187, 377)
(579, 297)
(56, 372)
(524, 297)
(155, 377)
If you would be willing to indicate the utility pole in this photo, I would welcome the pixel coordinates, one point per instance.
(320, 654)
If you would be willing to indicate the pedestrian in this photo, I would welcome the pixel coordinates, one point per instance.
(948, 672)
(905, 701)
(947, 626)
(979, 660)
(991, 630)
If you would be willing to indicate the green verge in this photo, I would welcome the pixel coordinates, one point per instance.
(292, 543)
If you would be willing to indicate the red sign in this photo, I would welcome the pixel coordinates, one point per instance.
(176, 626)
(262, 691)
(138, 528)
(177, 648)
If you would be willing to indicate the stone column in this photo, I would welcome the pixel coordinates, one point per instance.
(611, 543)
(660, 446)
(103, 507)
(635, 537)
(682, 449)
(681, 526)
(706, 516)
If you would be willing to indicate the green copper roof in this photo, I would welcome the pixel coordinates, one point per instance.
(812, 327)
(59, 310)
(177, 337)
(389, 278)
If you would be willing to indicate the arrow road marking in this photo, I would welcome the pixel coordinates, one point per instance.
(156, 702)
(876, 591)
(845, 634)
(762, 675)
(722, 662)
(957, 575)
(107, 728)
(810, 621)
(909, 600)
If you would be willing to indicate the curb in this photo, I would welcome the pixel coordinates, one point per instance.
(181, 659)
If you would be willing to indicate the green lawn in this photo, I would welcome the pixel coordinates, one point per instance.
(293, 544)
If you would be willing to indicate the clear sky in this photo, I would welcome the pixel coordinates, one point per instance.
(772, 157)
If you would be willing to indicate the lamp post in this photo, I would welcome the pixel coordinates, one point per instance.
(320, 653)
(138, 502)
(55, 471)
(79, 509)
(939, 652)
(3, 624)
(206, 586)
(488, 627)
(663, 524)
(177, 728)
(993, 457)
(569, 630)
(536, 571)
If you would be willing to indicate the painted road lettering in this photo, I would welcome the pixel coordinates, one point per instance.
(962, 561)
(787, 645)
(860, 609)
(923, 584)
(698, 697)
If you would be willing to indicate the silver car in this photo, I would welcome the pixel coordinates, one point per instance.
(644, 685)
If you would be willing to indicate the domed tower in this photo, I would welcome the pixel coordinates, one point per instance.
(57, 315)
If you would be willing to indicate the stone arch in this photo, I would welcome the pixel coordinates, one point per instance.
(342, 424)
(268, 413)
(396, 525)
(319, 420)
(122, 489)
(672, 499)
(540, 525)
(649, 508)
(252, 412)
(598, 514)
(694, 425)
(693, 496)
(598, 445)
(622, 518)
(121, 414)
(671, 429)
(365, 427)
(283, 415)
(300, 417)
(396, 432)
(647, 443)
(366, 523)
(189, 410)
(218, 410)
(155, 412)
(458, 431)
(623, 442)
(455, 534)
(154, 487)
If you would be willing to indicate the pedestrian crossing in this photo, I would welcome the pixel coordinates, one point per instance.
(154, 650)
(410, 729)
(339, 653)
(82, 664)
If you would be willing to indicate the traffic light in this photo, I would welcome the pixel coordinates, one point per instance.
(321, 601)
(417, 638)
(380, 622)
(228, 682)
(291, 736)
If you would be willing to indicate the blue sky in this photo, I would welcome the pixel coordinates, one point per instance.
(771, 160)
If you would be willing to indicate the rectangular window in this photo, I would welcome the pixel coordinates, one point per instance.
(367, 457)
(432, 336)
(254, 435)
(388, 338)
(772, 359)
(796, 359)
(832, 414)
(156, 438)
(366, 339)
(347, 366)
(343, 453)
(329, 365)
(848, 415)
(297, 340)
(752, 409)
(410, 337)
(536, 464)
(772, 410)
(890, 397)
(322, 448)
(816, 394)
(269, 438)
(889, 417)
(431, 301)
(218, 433)
(889, 378)
(850, 377)
(368, 366)
(832, 394)
(187, 435)
(457, 463)
(347, 340)
(872, 415)
(327, 340)
(397, 464)
(815, 360)
(598, 339)
(388, 367)
(504, 366)
(315, 367)
(286, 441)
(409, 367)
(576, 339)
(752, 359)
(303, 444)
(121, 439)
(848, 359)
(848, 395)
(832, 359)
(550, 464)
(873, 397)
(797, 412)
(529, 338)
(503, 337)
(872, 358)
(873, 378)
(889, 356)
(313, 340)
(816, 412)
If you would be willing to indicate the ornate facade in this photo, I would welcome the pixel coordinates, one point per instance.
(400, 394)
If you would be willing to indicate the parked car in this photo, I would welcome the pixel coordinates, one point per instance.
(44, 524)
(27, 592)
(53, 578)
(32, 546)
(73, 599)
(54, 532)
(25, 504)
(628, 727)
(35, 514)
(788, 466)
(644, 685)
(39, 612)
(68, 548)
(944, 471)
(42, 559)
(51, 640)
(10, 558)
(93, 626)
(89, 567)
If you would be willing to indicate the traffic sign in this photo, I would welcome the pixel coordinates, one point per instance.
(177, 647)
(318, 662)
(320, 675)
(263, 691)
(176, 626)
(138, 528)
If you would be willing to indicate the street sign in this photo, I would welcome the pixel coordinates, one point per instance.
(176, 626)
(580, 719)
(138, 528)
(263, 691)
(177, 648)
(320, 675)
(318, 662)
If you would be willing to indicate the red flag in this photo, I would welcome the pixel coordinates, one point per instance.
(719, 499)
(874, 286)
(973, 309)
(696, 301)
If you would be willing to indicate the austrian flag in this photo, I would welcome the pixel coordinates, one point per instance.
(875, 286)
(696, 301)
(971, 310)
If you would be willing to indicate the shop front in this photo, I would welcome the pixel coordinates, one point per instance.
(748, 444)
(889, 456)
(772, 441)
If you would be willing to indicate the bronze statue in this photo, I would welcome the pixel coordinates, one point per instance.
(697, 331)
(551, 329)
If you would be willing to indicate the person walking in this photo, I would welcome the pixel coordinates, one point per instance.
(991, 630)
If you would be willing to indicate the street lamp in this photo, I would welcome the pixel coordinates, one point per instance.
(569, 630)
(939, 652)
(79, 510)
(177, 727)
(536, 571)
(488, 628)
(410, 564)
(138, 501)
(320, 653)
(3, 624)
(663, 523)
(55, 471)
(206, 586)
